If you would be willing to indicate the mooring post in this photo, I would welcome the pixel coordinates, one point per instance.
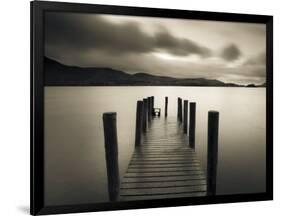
(144, 115)
(180, 109)
(185, 115)
(166, 106)
(152, 104)
(212, 157)
(139, 114)
(192, 122)
(111, 154)
(149, 109)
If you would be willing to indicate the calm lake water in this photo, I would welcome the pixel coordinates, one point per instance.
(75, 170)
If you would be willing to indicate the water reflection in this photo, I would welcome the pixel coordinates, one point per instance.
(75, 170)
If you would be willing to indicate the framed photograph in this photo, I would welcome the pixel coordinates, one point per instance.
(140, 107)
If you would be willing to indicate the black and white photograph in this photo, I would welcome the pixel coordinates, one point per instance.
(142, 108)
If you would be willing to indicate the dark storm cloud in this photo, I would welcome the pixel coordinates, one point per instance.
(178, 46)
(231, 52)
(84, 33)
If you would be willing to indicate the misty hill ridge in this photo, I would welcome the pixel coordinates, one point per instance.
(58, 74)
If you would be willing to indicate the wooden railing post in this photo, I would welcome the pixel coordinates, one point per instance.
(166, 106)
(180, 109)
(111, 154)
(151, 106)
(144, 116)
(152, 103)
(185, 116)
(149, 109)
(212, 157)
(138, 123)
(192, 124)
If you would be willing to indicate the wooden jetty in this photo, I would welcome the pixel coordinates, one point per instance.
(164, 163)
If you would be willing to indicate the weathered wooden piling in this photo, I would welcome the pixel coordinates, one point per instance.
(192, 122)
(212, 157)
(152, 103)
(149, 109)
(144, 115)
(166, 106)
(139, 115)
(111, 154)
(180, 109)
(151, 106)
(185, 116)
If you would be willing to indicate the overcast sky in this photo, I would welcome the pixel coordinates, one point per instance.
(228, 51)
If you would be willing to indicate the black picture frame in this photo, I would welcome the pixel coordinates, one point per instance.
(38, 8)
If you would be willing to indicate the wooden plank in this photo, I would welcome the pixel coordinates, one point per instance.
(171, 156)
(163, 150)
(165, 160)
(178, 154)
(164, 154)
(166, 196)
(162, 162)
(163, 191)
(165, 178)
(162, 184)
(167, 145)
(159, 151)
(171, 145)
(166, 140)
(163, 174)
(146, 166)
(163, 169)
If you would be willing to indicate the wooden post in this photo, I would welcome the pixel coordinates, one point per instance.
(185, 115)
(152, 104)
(180, 109)
(144, 116)
(111, 154)
(148, 109)
(213, 131)
(192, 121)
(166, 106)
(138, 123)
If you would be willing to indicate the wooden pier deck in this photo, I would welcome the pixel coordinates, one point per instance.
(164, 163)
(163, 166)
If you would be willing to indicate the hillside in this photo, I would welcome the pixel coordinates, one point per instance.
(57, 74)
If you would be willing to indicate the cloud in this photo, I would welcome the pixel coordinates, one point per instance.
(259, 59)
(89, 40)
(231, 53)
(179, 46)
(82, 33)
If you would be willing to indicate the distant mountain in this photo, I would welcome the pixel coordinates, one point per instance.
(57, 74)
(251, 86)
(256, 86)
